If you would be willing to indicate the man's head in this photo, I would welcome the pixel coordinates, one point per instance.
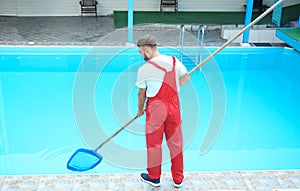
(146, 40)
(147, 45)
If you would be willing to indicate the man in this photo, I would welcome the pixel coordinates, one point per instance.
(159, 82)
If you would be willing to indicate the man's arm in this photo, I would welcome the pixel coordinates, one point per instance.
(141, 101)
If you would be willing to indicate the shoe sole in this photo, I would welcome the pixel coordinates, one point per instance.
(150, 183)
(177, 185)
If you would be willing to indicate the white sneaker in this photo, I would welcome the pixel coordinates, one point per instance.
(179, 185)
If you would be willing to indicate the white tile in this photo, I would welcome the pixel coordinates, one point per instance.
(244, 180)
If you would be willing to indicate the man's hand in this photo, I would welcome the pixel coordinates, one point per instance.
(140, 112)
(184, 79)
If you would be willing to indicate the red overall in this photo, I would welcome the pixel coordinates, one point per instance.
(163, 116)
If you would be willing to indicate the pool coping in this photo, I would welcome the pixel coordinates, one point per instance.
(214, 180)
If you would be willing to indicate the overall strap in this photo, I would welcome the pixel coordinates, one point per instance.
(159, 67)
(174, 61)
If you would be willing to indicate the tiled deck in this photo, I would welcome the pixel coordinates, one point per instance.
(244, 180)
(90, 31)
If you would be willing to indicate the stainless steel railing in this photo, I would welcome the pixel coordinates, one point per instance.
(200, 42)
(181, 40)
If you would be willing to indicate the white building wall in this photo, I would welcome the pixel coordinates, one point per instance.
(106, 7)
(285, 3)
(47, 7)
(183, 5)
(39, 8)
(8, 7)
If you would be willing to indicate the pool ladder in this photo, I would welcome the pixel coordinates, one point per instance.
(200, 41)
(201, 30)
(181, 40)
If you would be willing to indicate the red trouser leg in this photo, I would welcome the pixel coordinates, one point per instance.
(155, 116)
(154, 152)
(174, 141)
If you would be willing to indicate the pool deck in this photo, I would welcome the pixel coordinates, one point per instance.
(241, 180)
(88, 31)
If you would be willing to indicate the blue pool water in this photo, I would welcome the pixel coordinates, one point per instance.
(240, 112)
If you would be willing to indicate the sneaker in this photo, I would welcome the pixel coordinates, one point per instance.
(178, 185)
(153, 182)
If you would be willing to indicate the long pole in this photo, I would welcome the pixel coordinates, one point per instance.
(117, 132)
(236, 36)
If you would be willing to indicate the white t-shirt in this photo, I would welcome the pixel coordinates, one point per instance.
(151, 77)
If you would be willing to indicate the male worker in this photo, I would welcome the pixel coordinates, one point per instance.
(159, 82)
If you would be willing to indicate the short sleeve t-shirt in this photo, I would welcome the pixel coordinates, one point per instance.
(151, 78)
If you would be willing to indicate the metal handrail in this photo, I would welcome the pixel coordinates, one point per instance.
(181, 40)
(201, 30)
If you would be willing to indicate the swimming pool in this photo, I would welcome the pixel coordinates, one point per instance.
(240, 112)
